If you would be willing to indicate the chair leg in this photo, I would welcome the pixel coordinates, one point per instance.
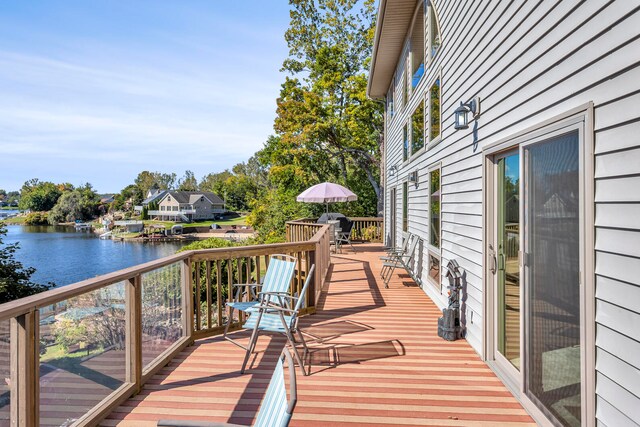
(226, 329)
(252, 343)
(296, 354)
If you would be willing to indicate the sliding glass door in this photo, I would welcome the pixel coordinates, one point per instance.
(535, 257)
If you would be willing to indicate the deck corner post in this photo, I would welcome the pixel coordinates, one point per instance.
(134, 332)
(25, 368)
(186, 280)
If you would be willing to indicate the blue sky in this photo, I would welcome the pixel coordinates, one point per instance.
(97, 91)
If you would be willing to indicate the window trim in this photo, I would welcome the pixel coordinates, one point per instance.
(424, 5)
(432, 250)
(410, 134)
(431, 19)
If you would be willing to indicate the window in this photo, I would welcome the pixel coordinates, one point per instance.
(417, 129)
(407, 81)
(405, 143)
(434, 110)
(405, 202)
(433, 32)
(390, 99)
(434, 226)
(162, 208)
(417, 46)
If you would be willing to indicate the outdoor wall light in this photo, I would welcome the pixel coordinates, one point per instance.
(392, 170)
(460, 115)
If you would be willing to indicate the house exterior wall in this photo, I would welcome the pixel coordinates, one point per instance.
(530, 62)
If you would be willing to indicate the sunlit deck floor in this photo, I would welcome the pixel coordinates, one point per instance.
(377, 361)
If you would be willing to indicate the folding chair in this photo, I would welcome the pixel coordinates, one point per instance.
(394, 255)
(277, 279)
(403, 261)
(275, 316)
(275, 410)
(345, 235)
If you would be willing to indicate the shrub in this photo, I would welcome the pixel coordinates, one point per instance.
(37, 218)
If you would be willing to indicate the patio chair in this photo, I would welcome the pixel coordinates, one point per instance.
(275, 409)
(345, 235)
(276, 280)
(275, 316)
(402, 261)
(394, 254)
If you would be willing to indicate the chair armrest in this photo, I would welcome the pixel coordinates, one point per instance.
(257, 285)
(270, 307)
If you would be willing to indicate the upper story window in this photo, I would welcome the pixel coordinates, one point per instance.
(433, 32)
(434, 97)
(417, 45)
(405, 143)
(390, 110)
(417, 129)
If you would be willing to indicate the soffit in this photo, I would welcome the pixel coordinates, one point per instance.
(394, 18)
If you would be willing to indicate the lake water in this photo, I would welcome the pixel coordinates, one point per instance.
(63, 255)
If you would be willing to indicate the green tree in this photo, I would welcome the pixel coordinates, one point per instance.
(78, 204)
(327, 129)
(129, 197)
(15, 279)
(215, 182)
(155, 180)
(39, 196)
(188, 182)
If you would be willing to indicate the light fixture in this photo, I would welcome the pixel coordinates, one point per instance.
(460, 115)
(392, 170)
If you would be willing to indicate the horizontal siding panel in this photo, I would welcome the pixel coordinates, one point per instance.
(622, 373)
(462, 208)
(619, 345)
(619, 137)
(618, 190)
(618, 293)
(617, 112)
(468, 197)
(618, 163)
(618, 215)
(458, 240)
(609, 415)
(472, 220)
(463, 186)
(461, 230)
(624, 321)
(623, 242)
(617, 267)
(473, 173)
(625, 401)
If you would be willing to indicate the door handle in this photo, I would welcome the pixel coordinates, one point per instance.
(492, 259)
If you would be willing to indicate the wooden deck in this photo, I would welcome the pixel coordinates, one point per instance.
(377, 360)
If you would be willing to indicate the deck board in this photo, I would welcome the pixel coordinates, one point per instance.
(377, 361)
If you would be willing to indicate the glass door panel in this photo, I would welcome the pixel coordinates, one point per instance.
(508, 245)
(552, 266)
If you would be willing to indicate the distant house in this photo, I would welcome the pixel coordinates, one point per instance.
(153, 195)
(188, 206)
(106, 199)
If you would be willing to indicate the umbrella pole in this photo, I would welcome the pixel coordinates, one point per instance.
(326, 207)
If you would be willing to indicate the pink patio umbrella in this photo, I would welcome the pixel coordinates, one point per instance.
(326, 193)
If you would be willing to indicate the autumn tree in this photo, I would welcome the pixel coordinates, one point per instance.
(188, 182)
(155, 180)
(326, 127)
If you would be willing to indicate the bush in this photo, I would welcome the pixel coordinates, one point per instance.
(37, 218)
(370, 234)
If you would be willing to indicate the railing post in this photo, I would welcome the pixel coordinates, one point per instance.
(133, 294)
(25, 368)
(186, 280)
(311, 293)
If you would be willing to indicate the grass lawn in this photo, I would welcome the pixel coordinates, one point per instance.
(17, 220)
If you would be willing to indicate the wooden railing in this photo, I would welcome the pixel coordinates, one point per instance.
(72, 354)
(364, 229)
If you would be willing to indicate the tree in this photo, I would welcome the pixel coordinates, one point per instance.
(326, 127)
(78, 204)
(188, 182)
(39, 196)
(15, 279)
(129, 197)
(215, 182)
(155, 180)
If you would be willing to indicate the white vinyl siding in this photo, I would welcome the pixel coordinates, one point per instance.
(529, 62)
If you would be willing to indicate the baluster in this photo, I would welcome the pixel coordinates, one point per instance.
(197, 297)
(208, 284)
(133, 295)
(220, 300)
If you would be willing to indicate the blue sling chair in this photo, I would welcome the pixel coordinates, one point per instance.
(276, 280)
(278, 313)
(275, 410)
